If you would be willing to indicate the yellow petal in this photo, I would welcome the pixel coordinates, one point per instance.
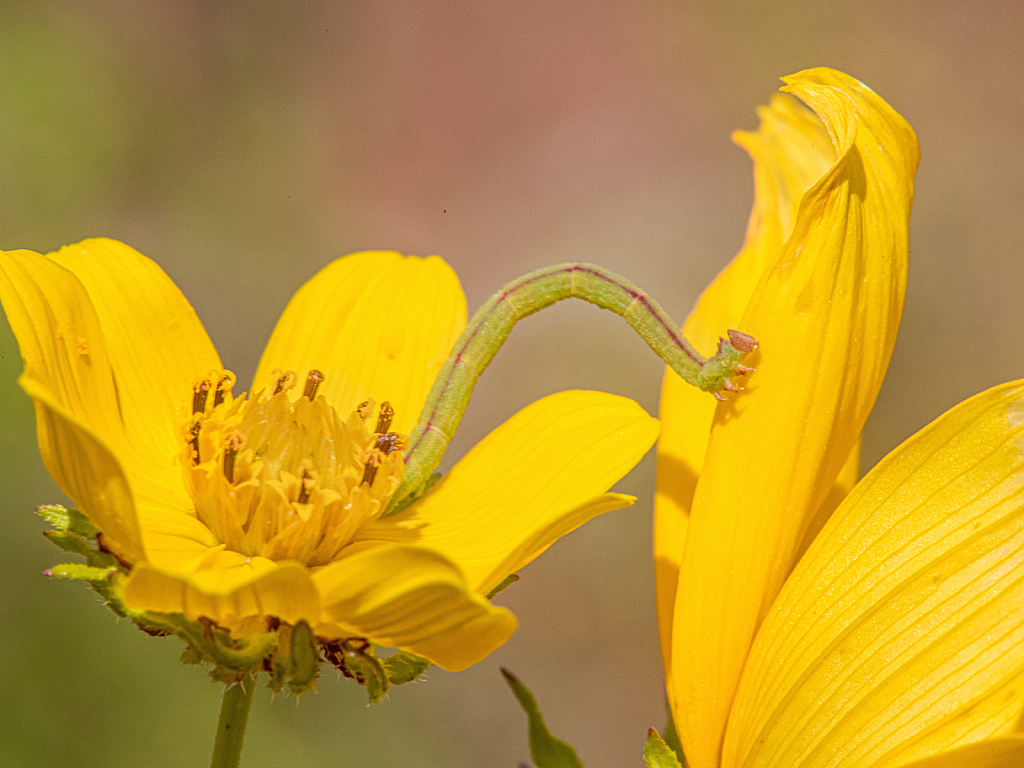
(61, 341)
(790, 150)
(228, 588)
(143, 519)
(826, 315)
(68, 370)
(412, 598)
(156, 344)
(535, 478)
(847, 478)
(1006, 752)
(377, 324)
(87, 471)
(900, 634)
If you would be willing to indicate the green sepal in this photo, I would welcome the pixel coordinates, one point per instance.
(545, 750)
(355, 658)
(64, 519)
(672, 735)
(658, 754)
(79, 571)
(230, 657)
(404, 667)
(74, 533)
(191, 656)
(508, 581)
(367, 670)
(305, 659)
(69, 542)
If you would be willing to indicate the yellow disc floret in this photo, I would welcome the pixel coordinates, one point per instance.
(286, 478)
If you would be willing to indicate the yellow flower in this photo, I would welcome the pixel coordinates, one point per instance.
(895, 634)
(245, 510)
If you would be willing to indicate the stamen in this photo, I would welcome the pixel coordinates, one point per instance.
(194, 431)
(370, 472)
(385, 444)
(224, 385)
(389, 443)
(384, 418)
(234, 443)
(307, 485)
(285, 380)
(365, 409)
(199, 393)
(313, 380)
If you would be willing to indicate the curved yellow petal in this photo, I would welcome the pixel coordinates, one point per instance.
(826, 315)
(1005, 752)
(412, 598)
(156, 344)
(144, 521)
(86, 470)
(900, 634)
(61, 341)
(228, 588)
(790, 150)
(70, 376)
(530, 481)
(377, 324)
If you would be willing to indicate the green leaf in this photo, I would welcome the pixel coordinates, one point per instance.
(404, 667)
(512, 578)
(79, 571)
(658, 754)
(545, 749)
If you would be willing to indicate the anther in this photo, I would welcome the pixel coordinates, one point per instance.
(199, 393)
(224, 385)
(284, 380)
(194, 441)
(365, 409)
(313, 380)
(233, 444)
(370, 472)
(384, 418)
(389, 443)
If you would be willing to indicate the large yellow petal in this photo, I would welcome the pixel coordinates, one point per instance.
(826, 315)
(68, 372)
(377, 324)
(535, 478)
(156, 344)
(900, 634)
(1006, 752)
(87, 471)
(790, 150)
(142, 519)
(61, 341)
(228, 588)
(412, 598)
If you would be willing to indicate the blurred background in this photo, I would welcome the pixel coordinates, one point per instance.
(243, 145)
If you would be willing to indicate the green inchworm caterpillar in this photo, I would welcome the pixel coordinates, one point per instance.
(494, 321)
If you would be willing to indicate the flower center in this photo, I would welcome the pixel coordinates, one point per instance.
(287, 479)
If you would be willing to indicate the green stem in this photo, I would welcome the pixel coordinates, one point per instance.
(234, 714)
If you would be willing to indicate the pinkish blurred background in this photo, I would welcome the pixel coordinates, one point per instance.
(245, 145)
